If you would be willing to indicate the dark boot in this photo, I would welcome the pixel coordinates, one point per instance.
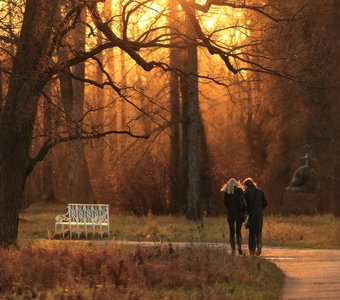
(258, 251)
(232, 245)
(239, 244)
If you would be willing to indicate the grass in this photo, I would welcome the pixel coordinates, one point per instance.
(56, 270)
(318, 231)
(44, 268)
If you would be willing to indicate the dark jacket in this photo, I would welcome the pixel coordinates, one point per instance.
(255, 202)
(232, 204)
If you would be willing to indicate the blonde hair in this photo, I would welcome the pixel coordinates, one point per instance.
(229, 187)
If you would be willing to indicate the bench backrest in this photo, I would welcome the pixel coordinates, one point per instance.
(88, 213)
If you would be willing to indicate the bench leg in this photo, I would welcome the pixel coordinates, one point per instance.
(70, 228)
(85, 230)
(78, 231)
(101, 231)
(108, 230)
(62, 228)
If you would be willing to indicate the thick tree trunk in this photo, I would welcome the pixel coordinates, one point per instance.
(16, 125)
(336, 109)
(1, 92)
(48, 194)
(205, 163)
(183, 186)
(175, 155)
(175, 176)
(79, 176)
(194, 169)
(72, 96)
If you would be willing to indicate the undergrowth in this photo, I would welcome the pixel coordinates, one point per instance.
(54, 271)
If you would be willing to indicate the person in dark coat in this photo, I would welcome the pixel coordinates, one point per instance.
(256, 201)
(235, 205)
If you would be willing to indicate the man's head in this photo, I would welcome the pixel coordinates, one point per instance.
(249, 182)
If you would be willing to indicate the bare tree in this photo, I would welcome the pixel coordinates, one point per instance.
(193, 142)
(176, 176)
(25, 86)
(42, 35)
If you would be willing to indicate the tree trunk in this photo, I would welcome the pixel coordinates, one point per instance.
(48, 194)
(99, 162)
(336, 108)
(80, 185)
(194, 169)
(183, 186)
(175, 160)
(16, 125)
(1, 93)
(205, 163)
(123, 78)
(112, 105)
(72, 98)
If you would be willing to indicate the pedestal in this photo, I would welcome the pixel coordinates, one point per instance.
(299, 203)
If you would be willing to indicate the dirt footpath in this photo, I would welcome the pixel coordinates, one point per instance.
(310, 274)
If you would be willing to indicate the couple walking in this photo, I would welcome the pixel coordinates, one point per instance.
(241, 200)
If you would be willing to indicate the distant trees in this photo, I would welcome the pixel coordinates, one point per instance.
(47, 48)
(308, 106)
(33, 66)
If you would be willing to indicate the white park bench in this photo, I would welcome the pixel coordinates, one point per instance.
(84, 215)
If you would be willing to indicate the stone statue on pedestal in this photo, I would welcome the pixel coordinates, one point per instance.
(304, 179)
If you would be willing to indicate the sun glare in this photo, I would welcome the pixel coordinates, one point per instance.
(223, 24)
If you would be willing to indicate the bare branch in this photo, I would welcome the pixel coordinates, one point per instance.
(51, 142)
(242, 5)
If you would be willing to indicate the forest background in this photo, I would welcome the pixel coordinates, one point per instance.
(161, 131)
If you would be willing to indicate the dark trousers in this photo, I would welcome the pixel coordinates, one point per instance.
(255, 231)
(232, 233)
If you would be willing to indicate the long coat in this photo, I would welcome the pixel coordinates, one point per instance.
(232, 204)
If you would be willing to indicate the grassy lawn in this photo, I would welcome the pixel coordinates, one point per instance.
(73, 270)
(44, 268)
(319, 231)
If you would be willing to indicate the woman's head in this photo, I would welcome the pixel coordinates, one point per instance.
(249, 182)
(230, 186)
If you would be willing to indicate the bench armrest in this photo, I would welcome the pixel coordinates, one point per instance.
(62, 218)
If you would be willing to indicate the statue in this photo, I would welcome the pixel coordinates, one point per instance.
(304, 179)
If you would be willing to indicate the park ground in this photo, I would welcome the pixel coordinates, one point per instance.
(45, 268)
(311, 231)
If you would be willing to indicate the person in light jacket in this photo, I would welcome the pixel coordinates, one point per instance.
(235, 205)
(256, 201)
